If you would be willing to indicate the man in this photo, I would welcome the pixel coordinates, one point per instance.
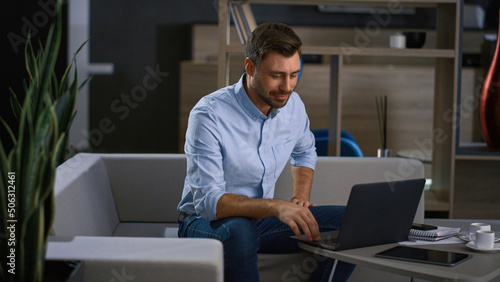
(238, 141)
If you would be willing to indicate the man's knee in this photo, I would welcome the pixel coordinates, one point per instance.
(240, 233)
(329, 216)
(239, 228)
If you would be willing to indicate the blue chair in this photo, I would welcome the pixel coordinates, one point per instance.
(348, 145)
(349, 148)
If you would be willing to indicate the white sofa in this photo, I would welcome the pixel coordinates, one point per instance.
(117, 213)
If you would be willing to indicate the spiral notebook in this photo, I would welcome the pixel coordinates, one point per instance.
(433, 235)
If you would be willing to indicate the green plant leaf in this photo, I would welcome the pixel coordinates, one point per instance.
(64, 79)
(15, 105)
(63, 111)
(30, 60)
(9, 130)
(25, 154)
(84, 83)
(44, 117)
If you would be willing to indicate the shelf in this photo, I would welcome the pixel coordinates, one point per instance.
(432, 203)
(447, 53)
(477, 151)
(426, 3)
(355, 51)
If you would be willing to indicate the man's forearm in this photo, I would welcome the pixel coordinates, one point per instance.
(232, 205)
(302, 178)
(298, 217)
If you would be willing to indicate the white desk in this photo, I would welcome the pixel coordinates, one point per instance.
(481, 267)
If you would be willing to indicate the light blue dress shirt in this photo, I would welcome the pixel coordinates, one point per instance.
(231, 147)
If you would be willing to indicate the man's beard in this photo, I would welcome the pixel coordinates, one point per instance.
(257, 87)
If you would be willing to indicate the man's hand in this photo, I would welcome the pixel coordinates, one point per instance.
(302, 203)
(294, 214)
(301, 180)
(297, 214)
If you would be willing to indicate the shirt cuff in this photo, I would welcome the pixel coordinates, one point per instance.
(207, 207)
(309, 162)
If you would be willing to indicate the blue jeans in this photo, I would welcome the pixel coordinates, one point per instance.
(244, 238)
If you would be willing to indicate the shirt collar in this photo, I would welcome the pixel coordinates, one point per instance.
(250, 109)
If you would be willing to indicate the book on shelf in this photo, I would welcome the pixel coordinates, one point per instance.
(250, 22)
(243, 19)
(237, 20)
(433, 235)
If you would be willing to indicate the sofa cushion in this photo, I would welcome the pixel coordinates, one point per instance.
(140, 229)
(272, 267)
(83, 200)
(146, 187)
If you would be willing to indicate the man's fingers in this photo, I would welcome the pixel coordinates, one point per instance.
(304, 204)
(295, 229)
(300, 218)
(314, 228)
(309, 226)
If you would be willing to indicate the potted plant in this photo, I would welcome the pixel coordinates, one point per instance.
(27, 170)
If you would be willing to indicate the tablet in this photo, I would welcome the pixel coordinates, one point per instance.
(424, 256)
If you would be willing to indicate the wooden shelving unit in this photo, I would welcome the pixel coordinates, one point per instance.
(447, 54)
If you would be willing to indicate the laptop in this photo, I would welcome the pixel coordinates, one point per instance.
(376, 214)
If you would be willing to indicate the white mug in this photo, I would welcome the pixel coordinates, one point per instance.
(397, 40)
(485, 239)
(476, 226)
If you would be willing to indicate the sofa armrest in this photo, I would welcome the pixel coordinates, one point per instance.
(84, 203)
(141, 259)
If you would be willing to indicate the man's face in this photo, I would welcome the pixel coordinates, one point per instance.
(274, 80)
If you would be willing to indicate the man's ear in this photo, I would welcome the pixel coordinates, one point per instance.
(249, 66)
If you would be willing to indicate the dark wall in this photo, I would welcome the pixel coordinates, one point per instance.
(141, 38)
(17, 18)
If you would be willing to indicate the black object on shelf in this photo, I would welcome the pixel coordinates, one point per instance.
(415, 39)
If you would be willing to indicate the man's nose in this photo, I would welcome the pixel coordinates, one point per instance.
(287, 84)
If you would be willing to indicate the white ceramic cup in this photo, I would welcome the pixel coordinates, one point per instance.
(485, 239)
(397, 40)
(477, 226)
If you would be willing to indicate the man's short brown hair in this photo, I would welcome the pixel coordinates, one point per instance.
(272, 37)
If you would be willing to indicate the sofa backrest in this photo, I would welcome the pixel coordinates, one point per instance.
(95, 192)
(146, 187)
(84, 204)
(335, 176)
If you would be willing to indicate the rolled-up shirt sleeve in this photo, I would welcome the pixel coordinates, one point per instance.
(205, 174)
(304, 152)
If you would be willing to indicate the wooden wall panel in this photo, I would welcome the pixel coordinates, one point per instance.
(477, 189)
